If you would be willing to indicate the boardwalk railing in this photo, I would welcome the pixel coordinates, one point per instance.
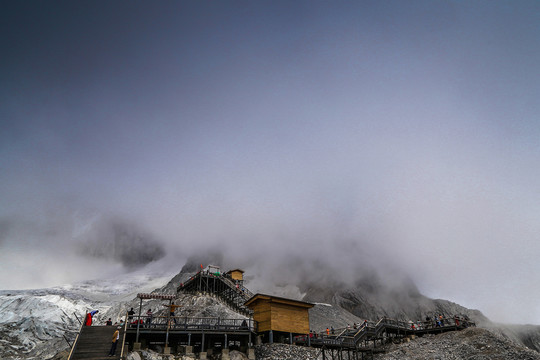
(351, 337)
(182, 323)
(74, 345)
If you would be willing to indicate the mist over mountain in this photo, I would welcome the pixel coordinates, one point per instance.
(34, 321)
(120, 241)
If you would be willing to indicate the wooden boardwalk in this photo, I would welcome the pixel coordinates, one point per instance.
(370, 339)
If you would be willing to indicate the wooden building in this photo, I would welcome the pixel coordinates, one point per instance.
(276, 314)
(236, 275)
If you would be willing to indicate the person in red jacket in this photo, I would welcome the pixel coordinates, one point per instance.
(88, 320)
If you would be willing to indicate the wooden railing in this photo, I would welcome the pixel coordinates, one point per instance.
(183, 323)
(76, 338)
(350, 337)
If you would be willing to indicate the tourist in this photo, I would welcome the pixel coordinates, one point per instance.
(172, 309)
(149, 316)
(115, 338)
(109, 322)
(89, 317)
(130, 315)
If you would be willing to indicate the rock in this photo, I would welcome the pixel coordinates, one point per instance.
(134, 356)
(472, 343)
(237, 355)
(285, 352)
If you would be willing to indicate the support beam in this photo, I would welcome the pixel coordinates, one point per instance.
(138, 321)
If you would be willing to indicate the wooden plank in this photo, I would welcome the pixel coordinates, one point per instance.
(289, 319)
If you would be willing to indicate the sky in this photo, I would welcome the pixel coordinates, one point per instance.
(402, 135)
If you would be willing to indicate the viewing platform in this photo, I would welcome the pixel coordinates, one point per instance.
(261, 318)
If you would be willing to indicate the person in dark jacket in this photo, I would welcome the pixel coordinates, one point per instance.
(130, 315)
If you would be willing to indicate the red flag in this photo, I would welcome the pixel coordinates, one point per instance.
(201, 266)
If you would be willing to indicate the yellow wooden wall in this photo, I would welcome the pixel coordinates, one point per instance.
(288, 319)
(237, 275)
(281, 317)
(262, 315)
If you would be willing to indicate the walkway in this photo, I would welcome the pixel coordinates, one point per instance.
(231, 293)
(94, 343)
(373, 338)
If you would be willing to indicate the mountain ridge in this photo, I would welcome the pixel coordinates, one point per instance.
(35, 321)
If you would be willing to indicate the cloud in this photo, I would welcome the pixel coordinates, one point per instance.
(120, 241)
(296, 145)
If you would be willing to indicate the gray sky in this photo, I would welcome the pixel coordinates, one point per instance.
(388, 132)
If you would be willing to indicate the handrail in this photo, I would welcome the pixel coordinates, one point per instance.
(124, 337)
(344, 338)
(76, 340)
(76, 317)
(191, 323)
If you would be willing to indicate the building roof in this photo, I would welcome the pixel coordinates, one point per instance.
(277, 299)
(230, 271)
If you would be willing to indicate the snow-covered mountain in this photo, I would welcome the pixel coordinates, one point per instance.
(34, 324)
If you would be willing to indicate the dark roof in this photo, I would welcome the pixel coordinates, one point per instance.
(230, 271)
(278, 299)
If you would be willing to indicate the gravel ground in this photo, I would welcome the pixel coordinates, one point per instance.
(470, 344)
(285, 352)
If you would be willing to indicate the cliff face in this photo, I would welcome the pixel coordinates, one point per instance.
(372, 298)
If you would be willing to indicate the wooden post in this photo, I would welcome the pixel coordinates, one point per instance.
(138, 322)
(202, 344)
(168, 323)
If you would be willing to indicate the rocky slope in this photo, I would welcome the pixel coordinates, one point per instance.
(34, 322)
(471, 343)
(372, 298)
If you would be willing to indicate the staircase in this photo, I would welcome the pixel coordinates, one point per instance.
(221, 286)
(94, 343)
(381, 332)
